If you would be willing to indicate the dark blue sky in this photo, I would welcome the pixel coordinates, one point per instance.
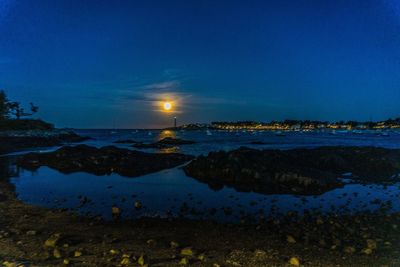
(94, 63)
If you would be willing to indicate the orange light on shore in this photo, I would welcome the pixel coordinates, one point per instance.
(167, 106)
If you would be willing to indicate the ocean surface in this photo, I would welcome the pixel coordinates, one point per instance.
(171, 193)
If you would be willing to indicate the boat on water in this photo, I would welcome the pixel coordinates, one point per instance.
(208, 132)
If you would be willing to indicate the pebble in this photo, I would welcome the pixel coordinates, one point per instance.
(290, 239)
(141, 261)
(187, 251)
(367, 251)
(125, 261)
(114, 252)
(174, 244)
(260, 254)
(57, 253)
(31, 232)
(201, 257)
(184, 261)
(294, 261)
(138, 205)
(51, 242)
(77, 253)
(116, 212)
(371, 244)
(349, 249)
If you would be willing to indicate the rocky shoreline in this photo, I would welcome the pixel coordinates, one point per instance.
(297, 171)
(13, 141)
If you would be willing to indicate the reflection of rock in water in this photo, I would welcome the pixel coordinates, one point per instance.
(7, 170)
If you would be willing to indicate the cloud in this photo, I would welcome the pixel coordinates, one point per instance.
(162, 86)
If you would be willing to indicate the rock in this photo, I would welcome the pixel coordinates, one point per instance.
(77, 253)
(233, 263)
(15, 141)
(125, 261)
(128, 141)
(387, 243)
(296, 171)
(371, 244)
(102, 161)
(175, 141)
(184, 261)
(114, 252)
(52, 241)
(57, 253)
(260, 254)
(290, 239)
(9, 264)
(116, 212)
(142, 260)
(167, 142)
(187, 251)
(138, 205)
(349, 249)
(294, 261)
(201, 257)
(367, 251)
(31, 232)
(174, 244)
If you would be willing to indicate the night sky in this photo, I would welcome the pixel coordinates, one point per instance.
(104, 64)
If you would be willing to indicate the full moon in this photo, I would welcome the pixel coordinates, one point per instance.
(167, 106)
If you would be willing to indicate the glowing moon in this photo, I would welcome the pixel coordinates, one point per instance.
(167, 106)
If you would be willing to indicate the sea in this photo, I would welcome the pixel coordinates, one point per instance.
(170, 193)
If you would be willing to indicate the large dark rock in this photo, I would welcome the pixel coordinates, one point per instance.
(298, 171)
(175, 141)
(164, 143)
(101, 161)
(125, 141)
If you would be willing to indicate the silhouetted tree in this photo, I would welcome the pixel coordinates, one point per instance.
(18, 111)
(4, 108)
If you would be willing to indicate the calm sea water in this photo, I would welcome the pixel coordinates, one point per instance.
(172, 193)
